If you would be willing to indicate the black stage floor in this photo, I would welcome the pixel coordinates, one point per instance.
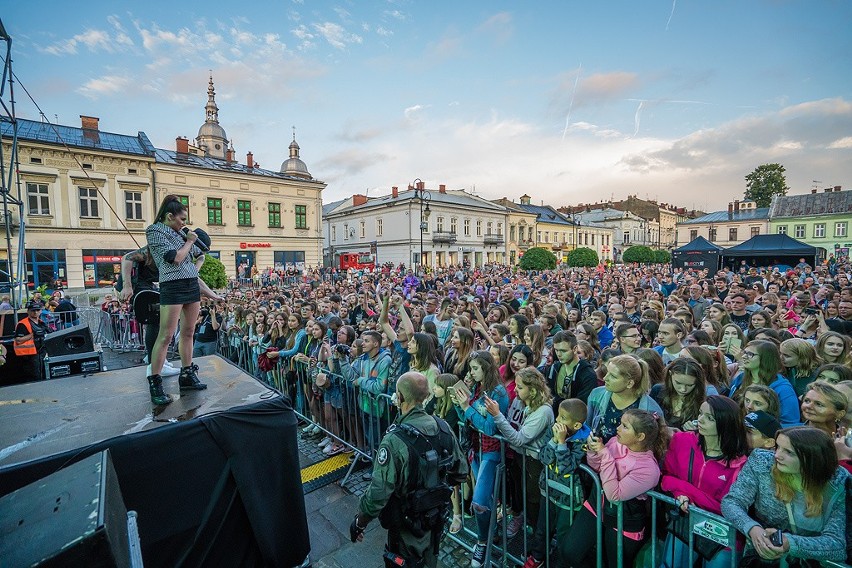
(214, 476)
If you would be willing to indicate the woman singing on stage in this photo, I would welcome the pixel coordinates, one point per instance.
(178, 259)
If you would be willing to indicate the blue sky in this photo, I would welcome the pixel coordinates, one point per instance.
(568, 101)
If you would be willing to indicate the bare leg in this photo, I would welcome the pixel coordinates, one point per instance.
(169, 316)
(188, 317)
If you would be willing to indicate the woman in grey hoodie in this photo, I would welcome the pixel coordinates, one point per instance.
(799, 490)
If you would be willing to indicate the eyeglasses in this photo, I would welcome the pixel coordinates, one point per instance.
(631, 336)
(749, 354)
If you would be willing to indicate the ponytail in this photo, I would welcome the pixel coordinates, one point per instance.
(654, 427)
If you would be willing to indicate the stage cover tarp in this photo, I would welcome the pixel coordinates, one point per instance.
(219, 490)
(698, 254)
(772, 249)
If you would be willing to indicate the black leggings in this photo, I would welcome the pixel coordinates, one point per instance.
(578, 547)
(151, 332)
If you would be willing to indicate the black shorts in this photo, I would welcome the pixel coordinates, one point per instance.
(180, 292)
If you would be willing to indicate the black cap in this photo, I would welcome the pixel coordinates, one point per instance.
(763, 422)
(33, 305)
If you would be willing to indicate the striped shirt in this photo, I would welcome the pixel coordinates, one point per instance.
(161, 240)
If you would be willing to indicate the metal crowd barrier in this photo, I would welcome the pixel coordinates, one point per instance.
(119, 331)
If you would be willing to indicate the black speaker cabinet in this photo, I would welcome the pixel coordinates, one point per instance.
(8, 322)
(56, 367)
(74, 517)
(69, 341)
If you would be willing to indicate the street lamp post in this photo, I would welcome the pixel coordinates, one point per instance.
(423, 196)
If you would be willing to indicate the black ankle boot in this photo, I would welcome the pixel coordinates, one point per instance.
(188, 379)
(155, 386)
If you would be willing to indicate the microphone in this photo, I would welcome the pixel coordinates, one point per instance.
(198, 243)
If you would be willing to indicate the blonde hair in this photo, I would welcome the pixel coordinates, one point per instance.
(533, 379)
(633, 369)
(805, 353)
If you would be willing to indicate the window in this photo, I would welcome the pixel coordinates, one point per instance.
(732, 234)
(88, 202)
(334, 233)
(184, 199)
(593, 239)
(379, 228)
(133, 205)
(800, 231)
(439, 224)
(214, 211)
(500, 229)
(840, 229)
(38, 198)
(301, 216)
(625, 237)
(586, 238)
(243, 213)
(547, 236)
(479, 228)
(35, 160)
(275, 215)
(755, 231)
(362, 229)
(131, 171)
(782, 229)
(693, 234)
(88, 167)
(453, 225)
(538, 233)
(345, 231)
(712, 234)
(467, 229)
(819, 230)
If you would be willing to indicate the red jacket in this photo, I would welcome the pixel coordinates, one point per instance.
(711, 479)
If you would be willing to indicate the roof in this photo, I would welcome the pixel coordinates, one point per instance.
(603, 215)
(172, 157)
(78, 138)
(810, 204)
(698, 244)
(759, 214)
(329, 207)
(771, 245)
(451, 197)
(546, 214)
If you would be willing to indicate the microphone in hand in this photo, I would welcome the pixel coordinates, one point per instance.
(196, 241)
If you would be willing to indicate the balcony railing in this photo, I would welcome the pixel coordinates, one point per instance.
(444, 237)
(525, 244)
(493, 239)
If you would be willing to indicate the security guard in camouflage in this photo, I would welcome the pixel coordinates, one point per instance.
(397, 483)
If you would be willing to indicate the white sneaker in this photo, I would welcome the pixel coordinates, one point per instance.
(309, 429)
(325, 441)
(148, 371)
(168, 370)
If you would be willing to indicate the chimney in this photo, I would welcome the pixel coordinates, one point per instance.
(421, 185)
(730, 208)
(736, 205)
(229, 155)
(358, 199)
(837, 187)
(89, 122)
(813, 191)
(182, 145)
(442, 188)
(395, 192)
(827, 190)
(250, 160)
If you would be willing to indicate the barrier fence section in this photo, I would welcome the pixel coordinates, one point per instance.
(118, 331)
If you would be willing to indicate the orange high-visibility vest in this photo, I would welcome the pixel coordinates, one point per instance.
(28, 347)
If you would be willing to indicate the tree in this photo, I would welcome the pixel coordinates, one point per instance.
(662, 257)
(583, 257)
(638, 253)
(538, 258)
(764, 183)
(213, 272)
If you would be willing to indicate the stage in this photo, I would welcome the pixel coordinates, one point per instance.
(214, 476)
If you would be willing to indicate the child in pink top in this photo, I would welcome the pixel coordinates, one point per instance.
(629, 467)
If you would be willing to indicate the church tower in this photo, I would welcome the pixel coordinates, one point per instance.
(212, 139)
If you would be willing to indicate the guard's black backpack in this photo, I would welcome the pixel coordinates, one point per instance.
(424, 507)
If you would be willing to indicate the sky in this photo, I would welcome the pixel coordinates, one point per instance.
(567, 101)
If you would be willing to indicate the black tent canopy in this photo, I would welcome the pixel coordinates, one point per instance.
(697, 254)
(766, 250)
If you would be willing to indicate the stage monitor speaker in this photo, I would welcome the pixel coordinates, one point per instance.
(76, 364)
(69, 341)
(7, 322)
(74, 517)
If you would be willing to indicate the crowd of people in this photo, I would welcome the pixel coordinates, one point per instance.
(727, 391)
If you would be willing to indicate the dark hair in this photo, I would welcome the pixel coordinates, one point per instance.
(692, 401)
(522, 322)
(818, 462)
(653, 426)
(426, 354)
(526, 352)
(656, 367)
(729, 427)
(576, 409)
(171, 204)
(375, 335)
(565, 337)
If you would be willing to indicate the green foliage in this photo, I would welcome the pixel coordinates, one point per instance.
(538, 259)
(213, 272)
(583, 257)
(765, 182)
(638, 253)
(662, 257)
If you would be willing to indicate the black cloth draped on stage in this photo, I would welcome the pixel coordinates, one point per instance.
(237, 471)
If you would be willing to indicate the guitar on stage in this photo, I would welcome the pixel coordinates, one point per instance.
(146, 306)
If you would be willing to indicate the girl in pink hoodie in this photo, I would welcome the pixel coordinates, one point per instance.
(629, 467)
(700, 468)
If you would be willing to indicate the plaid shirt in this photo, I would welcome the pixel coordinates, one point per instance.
(161, 240)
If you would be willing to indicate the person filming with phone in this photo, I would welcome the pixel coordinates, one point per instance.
(791, 503)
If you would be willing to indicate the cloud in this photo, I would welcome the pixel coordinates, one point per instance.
(585, 91)
(94, 40)
(336, 35)
(106, 85)
(841, 143)
(498, 27)
(412, 113)
(395, 14)
(383, 32)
